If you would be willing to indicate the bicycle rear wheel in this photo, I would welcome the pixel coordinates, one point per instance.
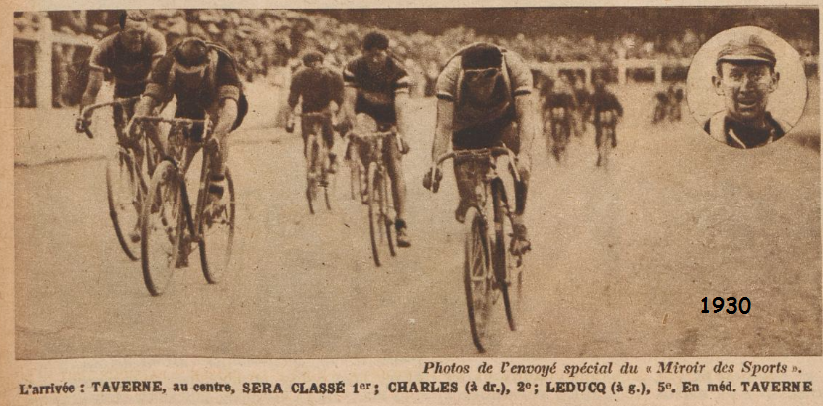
(161, 228)
(476, 280)
(217, 236)
(503, 262)
(376, 193)
(124, 191)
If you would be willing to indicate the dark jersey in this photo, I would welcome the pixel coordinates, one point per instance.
(560, 100)
(740, 135)
(376, 90)
(220, 81)
(128, 68)
(605, 101)
(318, 86)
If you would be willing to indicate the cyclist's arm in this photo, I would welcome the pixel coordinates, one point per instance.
(295, 90)
(349, 100)
(523, 103)
(401, 104)
(526, 120)
(443, 129)
(225, 117)
(92, 88)
(97, 66)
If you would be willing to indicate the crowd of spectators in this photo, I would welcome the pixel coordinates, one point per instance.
(263, 40)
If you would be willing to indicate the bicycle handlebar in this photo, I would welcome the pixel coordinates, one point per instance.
(88, 109)
(314, 114)
(478, 153)
(493, 152)
(122, 101)
(173, 121)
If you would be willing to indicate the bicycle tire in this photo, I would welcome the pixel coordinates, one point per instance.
(356, 175)
(211, 234)
(161, 228)
(502, 259)
(374, 182)
(476, 281)
(311, 177)
(387, 207)
(124, 196)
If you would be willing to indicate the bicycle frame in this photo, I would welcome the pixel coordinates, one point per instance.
(488, 156)
(182, 154)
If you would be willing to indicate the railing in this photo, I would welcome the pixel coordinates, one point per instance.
(621, 66)
(40, 76)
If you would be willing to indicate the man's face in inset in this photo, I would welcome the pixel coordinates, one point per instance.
(746, 86)
(133, 33)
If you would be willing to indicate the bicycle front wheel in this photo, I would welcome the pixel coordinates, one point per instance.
(476, 277)
(504, 263)
(388, 219)
(311, 172)
(217, 236)
(161, 228)
(125, 193)
(356, 173)
(376, 193)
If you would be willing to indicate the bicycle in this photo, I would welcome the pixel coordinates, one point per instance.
(378, 195)
(317, 159)
(355, 169)
(557, 130)
(125, 181)
(169, 228)
(489, 265)
(606, 123)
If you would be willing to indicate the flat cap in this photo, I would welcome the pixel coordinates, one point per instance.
(753, 49)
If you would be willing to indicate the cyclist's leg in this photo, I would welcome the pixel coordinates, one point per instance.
(328, 136)
(394, 162)
(466, 173)
(511, 138)
(304, 130)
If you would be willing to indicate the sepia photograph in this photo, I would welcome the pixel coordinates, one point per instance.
(380, 183)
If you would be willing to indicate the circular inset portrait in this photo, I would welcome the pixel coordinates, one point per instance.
(746, 87)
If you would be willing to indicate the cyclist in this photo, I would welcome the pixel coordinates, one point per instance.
(377, 98)
(203, 77)
(322, 91)
(559, 105)
(603, 100)
(484, 100)
(129, 55)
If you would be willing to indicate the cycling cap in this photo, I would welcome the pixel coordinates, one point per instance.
(375, 40)
(191, 52)
(753, 49)
(482, 56)
(311, 57)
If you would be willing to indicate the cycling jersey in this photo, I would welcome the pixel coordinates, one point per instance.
(605, 101)
(221, 81)
(376, 90)
(560, 100)
(196, 97)
(318, 86)
(739, 135)
(516, 80)
(130, 70)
